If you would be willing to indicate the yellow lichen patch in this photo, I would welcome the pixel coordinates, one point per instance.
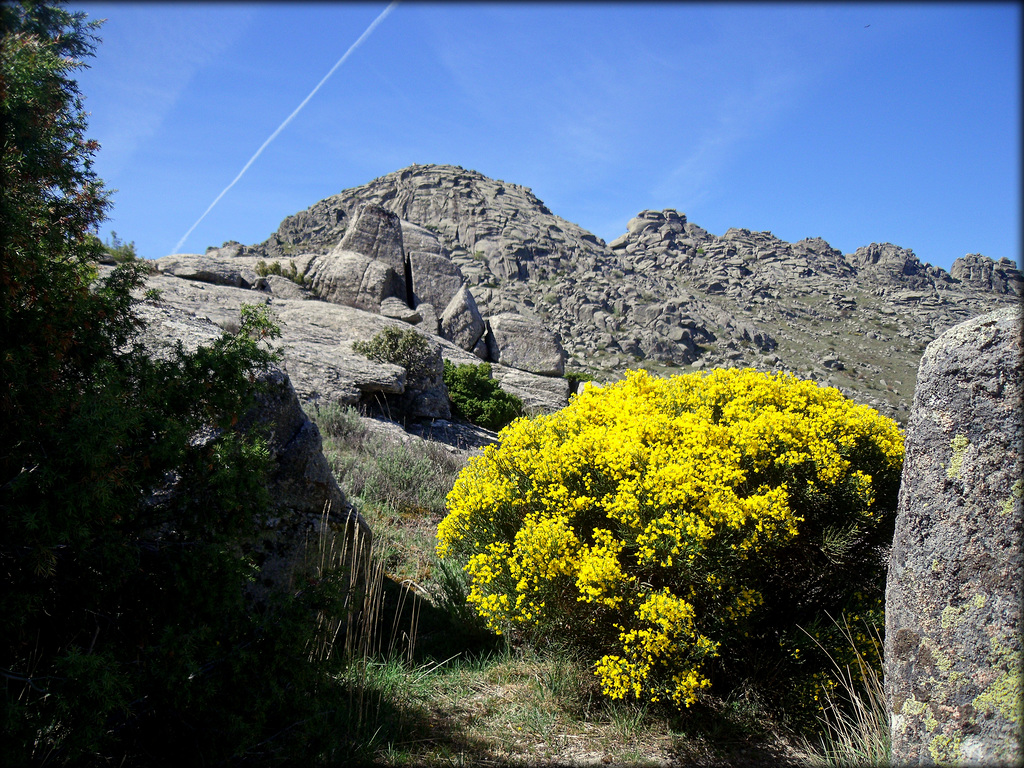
(959, 445)
(1004, 694)
(1016, 493)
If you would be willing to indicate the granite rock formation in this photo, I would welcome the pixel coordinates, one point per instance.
(304, 495)
(667, 294)
(956, 575)
(316, 344)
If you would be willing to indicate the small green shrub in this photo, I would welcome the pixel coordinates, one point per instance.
(120, 251)
(478, 398)
(274, 268)
(340, 423)
(577, 377)
(404, 347)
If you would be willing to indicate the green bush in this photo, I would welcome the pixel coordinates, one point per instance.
(405, 347)
(128, 500)
(478, 398)
(339, 423)
(684, 532)
(120, 251)
(274, 268)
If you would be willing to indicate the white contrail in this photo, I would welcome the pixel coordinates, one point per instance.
(290, 117)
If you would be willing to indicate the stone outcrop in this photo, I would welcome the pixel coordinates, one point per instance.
(227, 266)
(538, 393)
(667, 294)
(303, 493)
(985, 274)
(316, 344)
(377, 233)
(517, 342)
(956, 577)
(354, 279)
(502, 227)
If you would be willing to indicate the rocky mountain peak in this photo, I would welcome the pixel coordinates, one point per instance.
(666, 294)
(502, 227)
(984, 274)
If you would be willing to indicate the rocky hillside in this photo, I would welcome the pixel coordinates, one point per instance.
(667, 294)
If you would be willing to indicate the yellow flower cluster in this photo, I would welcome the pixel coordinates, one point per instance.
(664, 636)
(639, 503)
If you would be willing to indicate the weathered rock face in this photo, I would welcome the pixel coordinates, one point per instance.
(503, 226)
(303, 491)
(519, 343)
(419, 239)
(368, 266)
(377, 233)
(538, 393)
(354, 279)
(461, 322)
(435, 278)
(888, 263)
(316, 342)
(956, 577)
(988, 275)
(667, 294)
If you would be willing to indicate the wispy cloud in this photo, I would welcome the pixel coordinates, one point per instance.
(150, 60)
(288, 119)
(733, 121)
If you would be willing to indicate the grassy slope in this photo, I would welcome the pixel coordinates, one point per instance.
(444, 691)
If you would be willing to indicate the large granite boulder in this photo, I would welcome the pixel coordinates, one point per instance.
(305, 499)
(540, 394)
(282, 287)
(954, 595)
(420, 239)
(436, 279)
(461, 322)
(377, 233)
(355, 280)
(520, 343)
(209, 269)
(367, 266)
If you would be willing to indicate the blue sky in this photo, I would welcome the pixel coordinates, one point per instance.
(856, 123)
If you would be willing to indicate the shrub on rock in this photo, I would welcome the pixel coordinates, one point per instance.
(404, 347)
(682, 530)
(479, 398)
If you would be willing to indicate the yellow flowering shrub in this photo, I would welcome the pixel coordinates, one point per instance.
(682, 528)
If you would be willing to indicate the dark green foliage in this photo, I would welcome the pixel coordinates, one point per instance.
(478, 398)
(577, 377)
(404, 347)
(128, 502)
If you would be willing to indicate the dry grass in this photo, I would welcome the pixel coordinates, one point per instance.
(430, 686)
(855, 716)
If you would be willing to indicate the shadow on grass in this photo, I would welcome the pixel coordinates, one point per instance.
(386, 727)
(403, 729)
